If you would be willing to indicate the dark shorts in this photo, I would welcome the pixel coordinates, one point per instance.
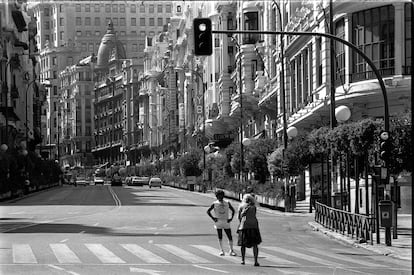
(249, 237)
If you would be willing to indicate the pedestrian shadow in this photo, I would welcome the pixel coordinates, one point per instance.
(68, 228)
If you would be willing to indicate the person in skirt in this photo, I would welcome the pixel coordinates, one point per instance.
(249, 234)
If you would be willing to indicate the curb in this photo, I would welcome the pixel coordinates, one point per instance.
(31, 194)
(353, 242)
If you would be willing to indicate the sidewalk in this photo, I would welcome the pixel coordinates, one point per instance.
(400, 248)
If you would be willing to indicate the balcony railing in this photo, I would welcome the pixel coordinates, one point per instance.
(366, 75)
(346, 223)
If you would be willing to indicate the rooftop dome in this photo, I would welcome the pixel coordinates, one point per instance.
(110, 47)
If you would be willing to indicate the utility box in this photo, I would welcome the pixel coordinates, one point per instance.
(385, 213)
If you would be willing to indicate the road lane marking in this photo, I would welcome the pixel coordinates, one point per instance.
(147, 271)
(183, 254)
(96, 224)
(343, 257)
(64, 254)
(62, 269)
(143, 254)
(165, 225)
(302, 256)
(209, 268)
(103, 254)
(23, 254)
(62, 241)
(214, 251)
(275, 259)
(18, 213)
(81, 232)
(115, 197)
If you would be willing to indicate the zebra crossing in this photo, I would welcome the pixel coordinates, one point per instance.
(164, 254)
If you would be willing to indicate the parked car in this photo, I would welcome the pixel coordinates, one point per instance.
(139, 181)
(116, 180)
(98, 180)
(155, 182)
(81, 180)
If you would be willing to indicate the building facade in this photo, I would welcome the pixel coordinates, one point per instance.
(72, 30)
(21, 93)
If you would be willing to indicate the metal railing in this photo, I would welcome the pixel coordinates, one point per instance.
(345, 223)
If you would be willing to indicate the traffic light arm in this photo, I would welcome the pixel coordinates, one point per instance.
(338, 39)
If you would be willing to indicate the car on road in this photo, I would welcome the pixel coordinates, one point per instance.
(98, 180)
(81, 180)
(155, 182)
(139, 181)
(116, 180)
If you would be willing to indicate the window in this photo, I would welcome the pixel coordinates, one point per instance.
(151, 34)
(97, 21)
(142, 33)
(84, 47)
(61, 35)
(61, 21)
(122, 21)
(167, 20)
(168, 8)
(408, 17)
(159, 21)
(142, 8)
(159, 8)
(178, 8)
(115, 21)
(78, 33)
(108, 8)
(133, 21)
(339, 53)
(87, 21)
(46, 12)
(141, 46)
(114, 8)
(60, 8)
(318, 61)
(54, 60)
(78, 8)
(78, 21)
(133, 8)
(90, 47)
(122, 33)
(55, 76)
(122, 8)
(151, 9)
(134, 47)
(97, 8)
(142, 21)
(47, 37)
(88, 33)
(373, 33)
(97, 33)
(87, 7)
(251, 23)
(151, 22)
(134, 33)
(47, 25)
(107, 20)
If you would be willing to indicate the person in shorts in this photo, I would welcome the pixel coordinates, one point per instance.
(222, 220)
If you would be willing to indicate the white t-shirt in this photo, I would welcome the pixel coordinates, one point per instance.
(221, 209)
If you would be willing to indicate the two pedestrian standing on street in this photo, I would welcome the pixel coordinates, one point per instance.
(249, 233)
(222, 220)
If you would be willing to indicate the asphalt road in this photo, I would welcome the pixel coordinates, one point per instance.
(137, 230)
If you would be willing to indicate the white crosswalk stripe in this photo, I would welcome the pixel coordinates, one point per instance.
(23, 254)
(343, 258)
(103, 254)
(214, 251)
(144, 254)
(188, 256)
(275, 259)
(301, 256)
(64, 254)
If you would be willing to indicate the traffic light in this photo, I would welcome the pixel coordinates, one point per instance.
(203, 41)
(385, 146)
